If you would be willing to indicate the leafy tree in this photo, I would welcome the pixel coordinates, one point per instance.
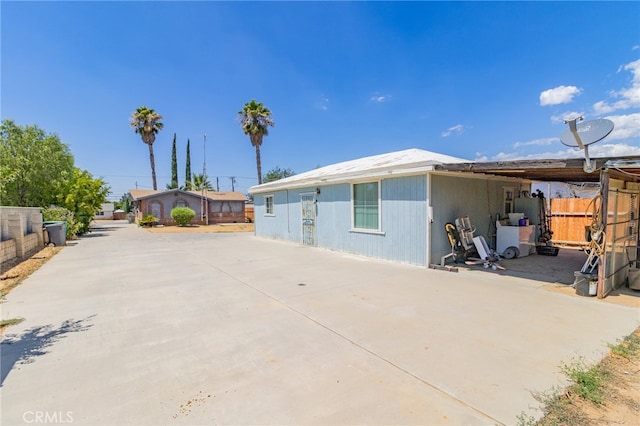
(200, 182)
(33, 165)
(124, 203)
(187, 170)
(276, 174)
(255, 120)
(174, 166)
(183, 215)
(147, 124)
(83, 195)
(36, 170)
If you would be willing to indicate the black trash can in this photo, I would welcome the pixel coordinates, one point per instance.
(57, 234)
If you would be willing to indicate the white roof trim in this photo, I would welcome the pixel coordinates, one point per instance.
(399, 163)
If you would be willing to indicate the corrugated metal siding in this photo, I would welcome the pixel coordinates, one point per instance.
(403, 214)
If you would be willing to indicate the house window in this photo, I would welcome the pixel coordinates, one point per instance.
(268, 205)
(181, 202)
(507, 198)
(236, 206)
(156, 209)
(366, 205)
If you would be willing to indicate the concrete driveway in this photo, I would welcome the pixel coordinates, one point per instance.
(130, 327)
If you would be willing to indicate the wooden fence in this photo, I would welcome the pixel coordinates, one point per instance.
(569, 219)
(248, 212)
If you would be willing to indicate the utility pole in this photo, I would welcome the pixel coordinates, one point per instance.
(233, 183)
(204, 206)
(217, 184)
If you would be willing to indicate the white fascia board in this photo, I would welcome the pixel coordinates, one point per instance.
(340, 178)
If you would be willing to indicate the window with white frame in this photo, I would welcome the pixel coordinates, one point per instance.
(366, 205)
(268, 205)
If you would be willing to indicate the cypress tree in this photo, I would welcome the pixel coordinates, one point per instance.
(187, 179)
(174, 165)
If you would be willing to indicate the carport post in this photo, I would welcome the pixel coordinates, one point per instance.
(604, 212)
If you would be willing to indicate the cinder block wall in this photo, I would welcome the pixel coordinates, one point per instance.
(7, 250)
(31, 243)
(20, 231)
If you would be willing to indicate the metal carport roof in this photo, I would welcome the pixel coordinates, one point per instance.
(556, 170)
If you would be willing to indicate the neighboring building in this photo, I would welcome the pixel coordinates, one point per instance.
(392, 206)
(105, 213)
(223, 207)
(119, 214)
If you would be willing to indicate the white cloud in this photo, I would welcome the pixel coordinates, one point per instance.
(629, 97)
(323, 103)
(595, 151)
(559, 95)
(376, 97)
(538, 142)
(602, 107)
(613, 150)
(636, 47)
(569, 115)
(457, 129)
(625, 126)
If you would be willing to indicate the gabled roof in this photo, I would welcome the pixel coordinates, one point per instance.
(409, 161)
(141, 194)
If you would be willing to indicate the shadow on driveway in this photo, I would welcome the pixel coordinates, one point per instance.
(25, 348)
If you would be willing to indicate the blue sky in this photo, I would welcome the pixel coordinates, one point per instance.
(481, 81)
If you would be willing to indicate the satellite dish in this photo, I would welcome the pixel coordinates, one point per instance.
(581, 135)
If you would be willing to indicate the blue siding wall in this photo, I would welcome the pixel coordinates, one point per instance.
(277, 225)
(403, 217)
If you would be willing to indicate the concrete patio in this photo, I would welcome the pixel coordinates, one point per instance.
(130, 327)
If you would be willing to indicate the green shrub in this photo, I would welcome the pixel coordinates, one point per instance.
(183, 215)
(61, 214)
(148, 220)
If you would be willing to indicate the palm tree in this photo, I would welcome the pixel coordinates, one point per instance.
(200, 182)
(147, 123)
(255, 120)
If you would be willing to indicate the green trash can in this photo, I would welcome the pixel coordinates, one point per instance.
(57, 233)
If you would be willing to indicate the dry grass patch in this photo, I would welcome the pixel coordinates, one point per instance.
(603, 394)
(203, 229)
